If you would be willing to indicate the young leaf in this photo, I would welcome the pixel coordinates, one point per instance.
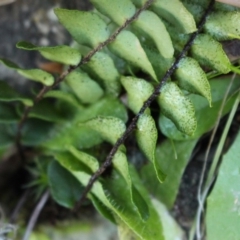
(205, 115)
(136, 85)
(37, 75)
(118, 11)
(146, 135)
(192, 78)
(8, 94)
(223, 26)
(100, 64)
(64, 188)
(151, 25)
(129, 48)
(223, 204)
(87, 90)
(175, 12)
(177, 107)
(86, 28)
(62, 54)
(109, 128)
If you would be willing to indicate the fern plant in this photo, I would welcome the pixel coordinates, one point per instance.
(122, 50)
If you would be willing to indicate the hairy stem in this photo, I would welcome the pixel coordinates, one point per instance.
(84, 60)
(146, 104)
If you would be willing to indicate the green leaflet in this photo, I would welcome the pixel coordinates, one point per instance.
(86, 159)
(159, 63)
(223, 204)
(129, 48)
(87, 90)
(120, 163)
(86, 28)
(151, 25)
(143, 88)
(175, 12)
(8, 114)
(172, 167)
(115, 196)
(171, 229)
(206, 117)
(192, 78)
(102, 209)
(118, 11)
(100, 64)
(146, 135)
(177, 107)
(209, 52)
(63, 54)
(71, 134)
(223, 26)
(8, 94)
(63, 96)
(64, 188)
(32, 74)
(109, 128)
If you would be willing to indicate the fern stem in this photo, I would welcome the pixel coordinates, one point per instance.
(146, 104)
(61, 78)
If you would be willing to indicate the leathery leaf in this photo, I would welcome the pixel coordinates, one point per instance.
(192, 78)
(37, 75)
(146, 135)
(86, 28)
(118, 11)
(177, 107)
(109, 128)
(129, 48)
(120, 163)
(85, 88)
(151, 25)
(143, 89)
(62, 54)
